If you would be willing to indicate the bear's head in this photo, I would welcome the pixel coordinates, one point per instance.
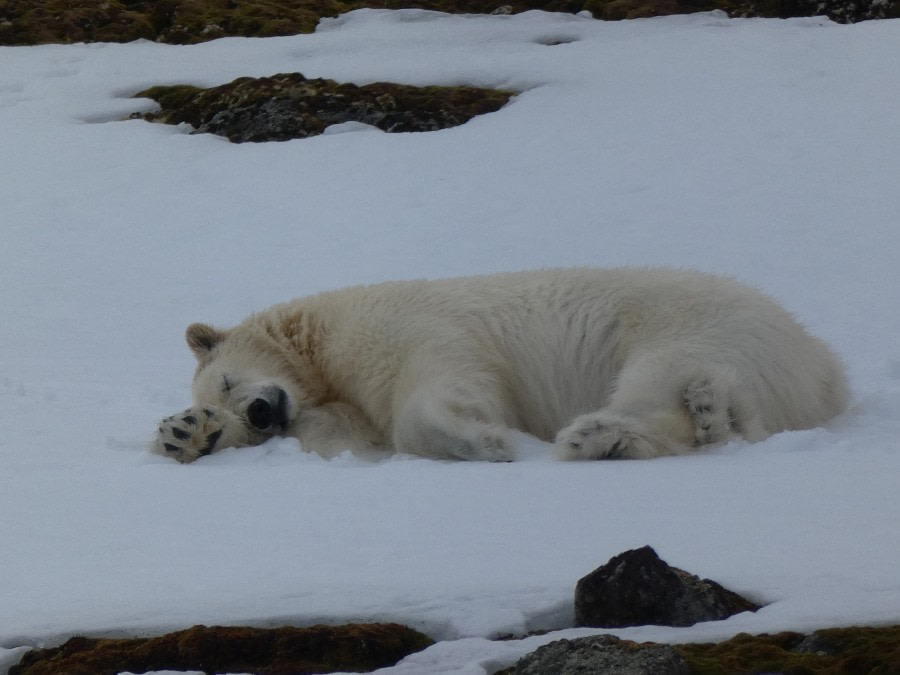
(252, 374)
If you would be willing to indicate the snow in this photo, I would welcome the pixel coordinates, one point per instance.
(762, 149)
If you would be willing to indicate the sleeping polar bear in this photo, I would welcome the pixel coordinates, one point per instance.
(619, 363)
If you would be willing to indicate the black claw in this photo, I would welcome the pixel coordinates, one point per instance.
(190, 419)
(171, 448)
(180, 434)
(211, 442)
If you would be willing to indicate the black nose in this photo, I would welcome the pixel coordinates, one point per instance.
(260, 413)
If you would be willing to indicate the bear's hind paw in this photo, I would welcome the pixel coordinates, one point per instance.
(709, 412)
(600, 436)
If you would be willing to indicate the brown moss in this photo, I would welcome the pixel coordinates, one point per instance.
(615, 10)
(865, 650)
(319, 649)
(836, 651)
(25, 22)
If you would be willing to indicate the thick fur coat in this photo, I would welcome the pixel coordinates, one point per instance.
(618, 363)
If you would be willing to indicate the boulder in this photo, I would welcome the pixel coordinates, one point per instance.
(636, 588)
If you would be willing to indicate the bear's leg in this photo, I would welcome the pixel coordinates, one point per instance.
(332, 428)
(662, 404)
(447, 420)
(198, 431)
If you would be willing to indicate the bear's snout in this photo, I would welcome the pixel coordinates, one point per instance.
(268, 412)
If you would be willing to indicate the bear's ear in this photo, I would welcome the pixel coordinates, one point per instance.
(201, 338)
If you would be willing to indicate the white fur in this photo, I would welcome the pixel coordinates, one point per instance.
(607, 363)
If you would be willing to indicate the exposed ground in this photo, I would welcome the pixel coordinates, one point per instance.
(24, 22)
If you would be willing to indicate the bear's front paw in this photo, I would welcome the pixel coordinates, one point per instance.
(195, 432)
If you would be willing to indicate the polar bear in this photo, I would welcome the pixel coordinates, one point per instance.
(605, 363)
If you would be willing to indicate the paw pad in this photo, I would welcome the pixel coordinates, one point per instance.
(190, 434)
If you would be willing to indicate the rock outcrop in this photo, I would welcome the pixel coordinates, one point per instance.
(288, 105)
(636, 588)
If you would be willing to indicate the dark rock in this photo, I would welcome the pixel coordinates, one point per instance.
(318, 649)
(601, 654)
(636, 588)
(288, 105)
(272, 120)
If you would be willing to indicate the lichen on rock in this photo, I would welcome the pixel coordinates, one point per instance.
(601, 654)
(288, 106)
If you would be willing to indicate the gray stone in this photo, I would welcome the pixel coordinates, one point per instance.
(815, 644)
(601, 654)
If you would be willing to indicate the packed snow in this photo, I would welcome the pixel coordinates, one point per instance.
(767, 150)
